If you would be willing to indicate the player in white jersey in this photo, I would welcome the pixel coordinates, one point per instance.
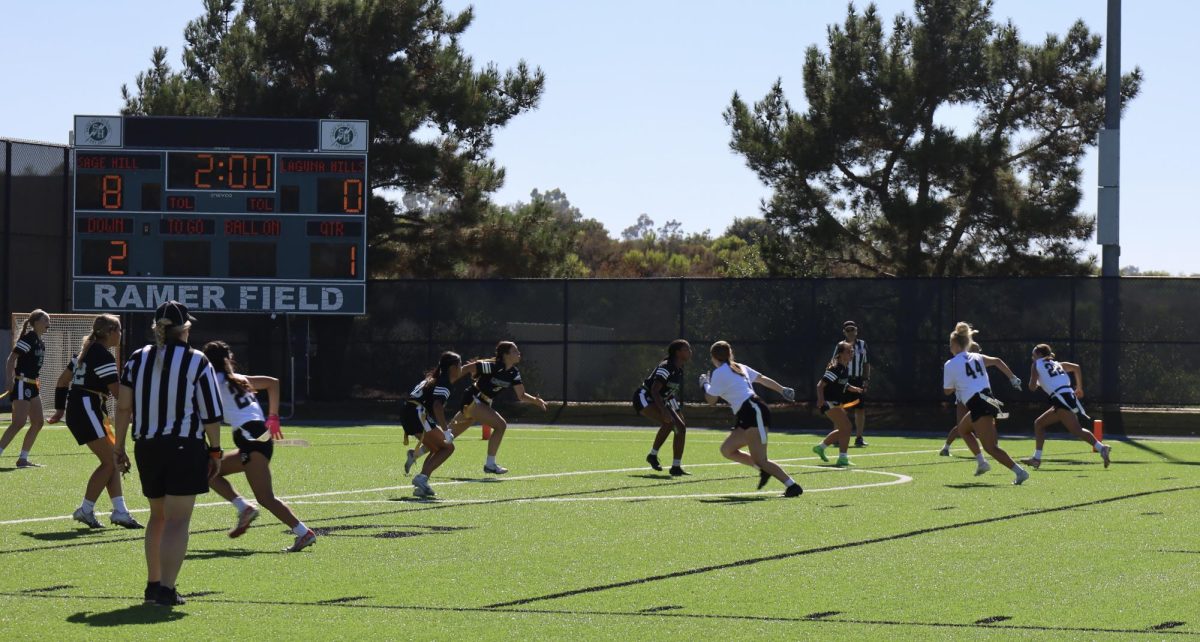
(965, 375)
(960, 412)
(734, 382)
(1054, 378)
(252, 434)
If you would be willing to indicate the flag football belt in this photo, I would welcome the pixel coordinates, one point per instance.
(99, 394)
(25, 379)
(1061, 388)
(484, 398)
(996, 403)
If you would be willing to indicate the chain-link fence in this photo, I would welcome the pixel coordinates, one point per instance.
(594, 340)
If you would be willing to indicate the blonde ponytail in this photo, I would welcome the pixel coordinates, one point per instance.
(963, 335)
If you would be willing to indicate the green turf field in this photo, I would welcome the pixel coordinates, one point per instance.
(581, 539)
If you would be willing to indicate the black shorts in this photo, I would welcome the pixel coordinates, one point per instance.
(415, 420)
(172, 466)
(86, 418)
(247, 446)
(980, 407)
(754, 413)
(23, 391)
(642, 401)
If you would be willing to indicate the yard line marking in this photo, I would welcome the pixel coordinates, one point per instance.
(382, 489)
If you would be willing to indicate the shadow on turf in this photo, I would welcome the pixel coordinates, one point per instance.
(970, 485)
(733, 500)
(215, 554)
(66, 536)
(136, 614)
(1171, 459)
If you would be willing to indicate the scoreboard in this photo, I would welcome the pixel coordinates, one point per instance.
(221, 214)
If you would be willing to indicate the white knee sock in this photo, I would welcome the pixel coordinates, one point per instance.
(300, 529)
(119, 504)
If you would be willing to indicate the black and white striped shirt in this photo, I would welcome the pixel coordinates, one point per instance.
(859, 363)
(174, 391)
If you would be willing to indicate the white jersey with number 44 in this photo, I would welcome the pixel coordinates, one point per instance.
(967, 374)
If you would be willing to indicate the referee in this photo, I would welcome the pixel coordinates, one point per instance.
(860, 375)
(174, 391)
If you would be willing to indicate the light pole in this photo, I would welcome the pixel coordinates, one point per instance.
(1109, 201)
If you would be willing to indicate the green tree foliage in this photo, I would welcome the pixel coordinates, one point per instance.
(867, 181)
(397, 63)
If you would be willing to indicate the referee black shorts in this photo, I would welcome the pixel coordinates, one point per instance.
(172, 466)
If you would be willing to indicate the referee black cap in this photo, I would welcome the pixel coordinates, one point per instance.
(174, 312)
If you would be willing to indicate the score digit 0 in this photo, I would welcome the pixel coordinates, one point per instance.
(352, 196)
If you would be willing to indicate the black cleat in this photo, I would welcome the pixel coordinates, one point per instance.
(677, 471)
(793, 491)
(763, 478)
(168, 597)
(151, 594)
(653, 461)
(859, 443)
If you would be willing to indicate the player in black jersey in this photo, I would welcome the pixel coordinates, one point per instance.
(424, 415)
(490, 378)
(22, 369)
(657, 400)
(92, 377)
(836, 393)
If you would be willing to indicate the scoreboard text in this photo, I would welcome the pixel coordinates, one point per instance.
(237, 215)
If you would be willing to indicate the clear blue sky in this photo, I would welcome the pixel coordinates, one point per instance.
(631, 118)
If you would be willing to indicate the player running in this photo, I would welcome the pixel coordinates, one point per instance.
(252, 434)
(960, 411)
(657, 400)
(424, 414)
(965, 375)
(92, 378)
(1054, 378)
(734, 382)
(836, 393)
(22, 369)
(490, 378)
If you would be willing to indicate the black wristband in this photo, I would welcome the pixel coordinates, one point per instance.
(60, 398)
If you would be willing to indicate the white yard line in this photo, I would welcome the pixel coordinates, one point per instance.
(575, 473)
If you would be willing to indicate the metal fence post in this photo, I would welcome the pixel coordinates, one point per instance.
(6, 209)
(565, 340)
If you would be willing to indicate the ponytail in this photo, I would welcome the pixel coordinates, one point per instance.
(165, 331)
(220, 356)
(842, 346)
(723, 352)
(35, 316)
(963, 335)
(448, 360)
(1044, 351)
(101, 325)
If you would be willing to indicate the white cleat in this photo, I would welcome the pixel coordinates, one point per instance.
(86, 517)
(409, 460)
(1104, 453)
(124, 520)
(495, 470)
(982, 468)
(421, 487)
(1022, 475)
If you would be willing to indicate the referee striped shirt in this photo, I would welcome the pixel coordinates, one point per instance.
(174, 391)
(859, 362)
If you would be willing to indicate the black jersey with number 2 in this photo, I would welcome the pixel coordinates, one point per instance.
(95, 372)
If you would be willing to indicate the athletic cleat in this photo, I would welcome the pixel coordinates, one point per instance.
(86, 517)
(653, 461)
(1022, 475)
(496, 469)
(151, 593)
(409, 460)
(763, 478)
(982, 468)
(302, 542)
(1032, 461)
(1104, 452)
(168, 597)
(859, 442)
(25, 463)
(124, 520)
(245, 517)
(793, 491)
(820, 450)
(1001, 415)
(945, 451)
(843, 462)
(421, 487)
(677, 471)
